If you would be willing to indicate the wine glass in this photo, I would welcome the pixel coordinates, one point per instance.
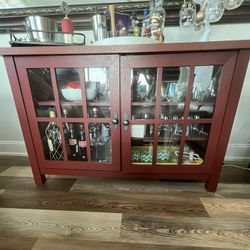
(214, 10)
(187, 15)
(232, 4)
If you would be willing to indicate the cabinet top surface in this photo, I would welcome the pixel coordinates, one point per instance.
(127, 49)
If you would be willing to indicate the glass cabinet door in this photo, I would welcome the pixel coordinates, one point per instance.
(173, 112)
(74, 111)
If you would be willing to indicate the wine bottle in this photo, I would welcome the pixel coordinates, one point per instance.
(73, 144)
(54, 140)
(82, 144)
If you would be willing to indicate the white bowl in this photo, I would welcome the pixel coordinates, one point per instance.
(91, 94)
(124, 40)
(72, 94)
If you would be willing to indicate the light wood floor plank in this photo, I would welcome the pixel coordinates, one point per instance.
(17, 243)
(143, 203)
(226, 207)
(27, 183)
(66, 244)
(199, 232)
(17, 171)
(59, 224)
(2, 190)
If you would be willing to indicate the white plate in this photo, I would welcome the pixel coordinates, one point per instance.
(123, 40)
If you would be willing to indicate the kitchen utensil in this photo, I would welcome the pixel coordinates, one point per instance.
(40, 24)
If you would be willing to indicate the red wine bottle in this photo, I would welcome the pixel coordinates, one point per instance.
(82, 144)
(73, 144)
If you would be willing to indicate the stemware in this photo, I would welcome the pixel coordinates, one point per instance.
(233, 4)
(214, 10)
(187, 14)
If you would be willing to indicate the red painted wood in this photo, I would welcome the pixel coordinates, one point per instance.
(189, 59)
(108, 61)
(169, 176)
(228, 118)
(186, 113)
(157, 112)
(29, 142)
(128, 49)
(137, 56)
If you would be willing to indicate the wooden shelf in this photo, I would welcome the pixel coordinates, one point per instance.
(171, 139)
(74, 103)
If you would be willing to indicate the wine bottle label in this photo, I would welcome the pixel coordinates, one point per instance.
(72, 142)
(50, 144)
(82, 144)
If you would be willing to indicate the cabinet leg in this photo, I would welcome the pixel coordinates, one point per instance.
(211, 184)
(39, 179)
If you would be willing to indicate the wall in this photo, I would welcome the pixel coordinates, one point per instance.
(11, 140)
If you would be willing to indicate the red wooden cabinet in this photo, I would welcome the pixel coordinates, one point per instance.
(162, 111)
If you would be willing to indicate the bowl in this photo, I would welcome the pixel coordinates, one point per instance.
(124, 40)
(72, 94)
(91, 94)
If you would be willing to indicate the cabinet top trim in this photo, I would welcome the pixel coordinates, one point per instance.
(127, 49)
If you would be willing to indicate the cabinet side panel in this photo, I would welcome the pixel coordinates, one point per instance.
(14, 82)
(231, 107)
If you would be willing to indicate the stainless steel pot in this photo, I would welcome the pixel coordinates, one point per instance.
(39, 28)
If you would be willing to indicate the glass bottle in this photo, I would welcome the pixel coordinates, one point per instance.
(82, 144)
(157, 21)
(73, 145)
(145, 30)
(54, 140)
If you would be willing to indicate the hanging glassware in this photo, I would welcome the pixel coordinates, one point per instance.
(215, 10)
(233, 4)
(200, 2)
(187, 14)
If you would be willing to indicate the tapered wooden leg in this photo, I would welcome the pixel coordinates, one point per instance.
(211, 184)
(40, 180)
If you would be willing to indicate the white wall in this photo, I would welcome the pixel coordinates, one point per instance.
(11, 140)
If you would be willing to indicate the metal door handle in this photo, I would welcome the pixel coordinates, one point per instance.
(125, 122)
(115, 120)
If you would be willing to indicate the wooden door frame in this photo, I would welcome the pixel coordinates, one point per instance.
(76, 61)
(228, 59)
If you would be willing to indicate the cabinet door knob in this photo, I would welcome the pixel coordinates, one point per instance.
(125, 122)
(115, 120)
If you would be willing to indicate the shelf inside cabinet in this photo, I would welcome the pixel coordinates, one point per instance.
(143, 104)
(171, 139)
(73, 103)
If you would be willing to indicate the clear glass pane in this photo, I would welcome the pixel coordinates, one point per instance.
(204, 92)
(173, 92)
(42, 91)
(75, 139)
(142, 144)
(97, 88)
(143, 93)
(70, 93)
(169, 137)
(100, 142)
(196, 143)
(51, 140)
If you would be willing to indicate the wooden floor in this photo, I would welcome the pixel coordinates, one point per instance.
(113, 214)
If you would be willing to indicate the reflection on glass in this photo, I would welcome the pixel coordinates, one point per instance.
(51, 140)
(143, 93)
(100, 142)
(41, 90)
(169, 137)
(204, 92)
(69, 89)
(173, 92)
(75, 139)
(97, 88)
(142, 144)
(196, 143)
